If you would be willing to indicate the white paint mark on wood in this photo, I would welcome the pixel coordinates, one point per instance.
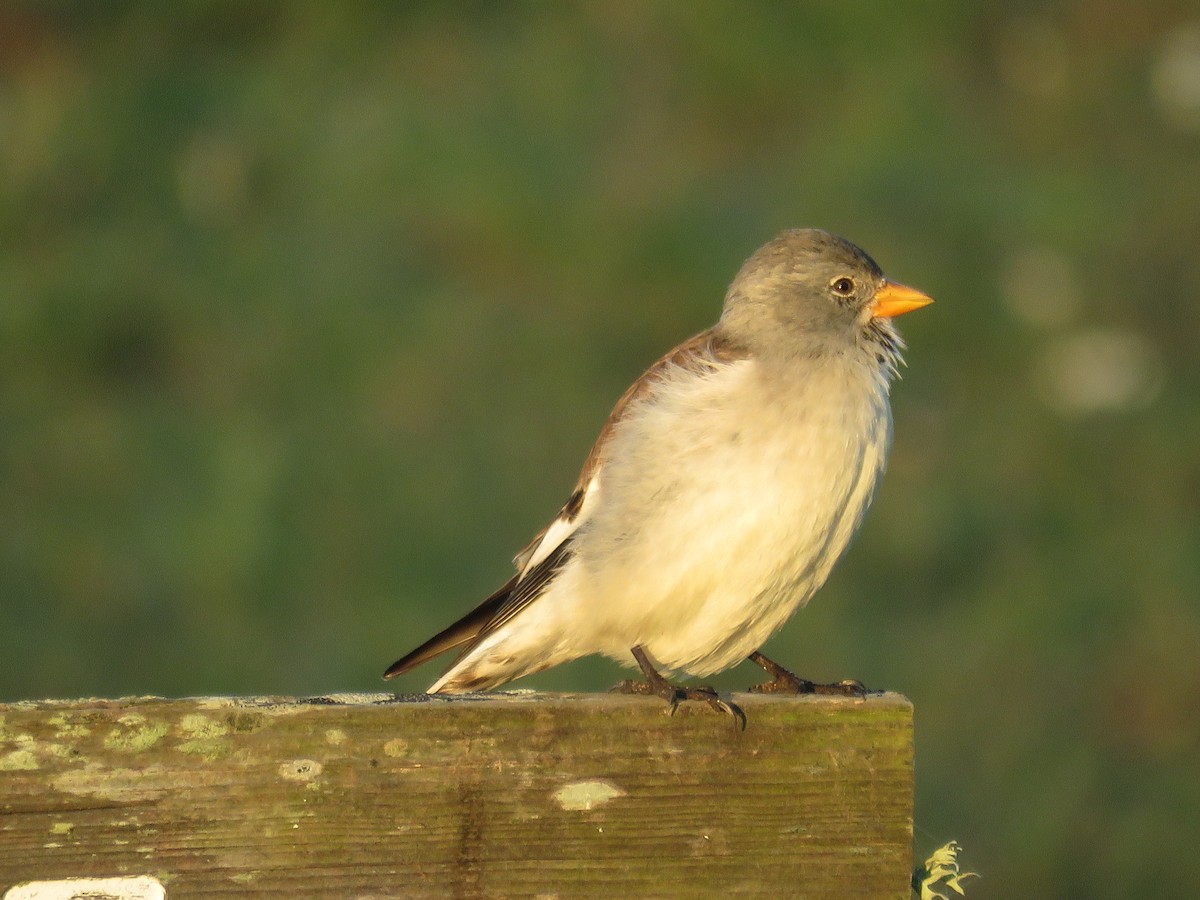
(583, 795)
(142, 887)
(300, 769)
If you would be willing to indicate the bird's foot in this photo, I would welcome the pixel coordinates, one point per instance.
(674, 695)
(786, 682)
(792, 684)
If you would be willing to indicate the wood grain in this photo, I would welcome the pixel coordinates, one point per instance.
(497, 795)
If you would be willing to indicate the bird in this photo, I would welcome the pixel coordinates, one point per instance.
(724, 486)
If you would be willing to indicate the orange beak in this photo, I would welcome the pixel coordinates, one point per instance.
(896, 299)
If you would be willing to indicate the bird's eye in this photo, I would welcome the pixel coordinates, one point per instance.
(843, 287)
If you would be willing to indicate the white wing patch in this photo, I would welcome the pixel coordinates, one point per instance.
(562, 528)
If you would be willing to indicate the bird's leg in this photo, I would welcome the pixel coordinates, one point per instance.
(784, 682)
(658, 686)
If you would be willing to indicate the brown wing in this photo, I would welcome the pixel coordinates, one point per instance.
(701, 353)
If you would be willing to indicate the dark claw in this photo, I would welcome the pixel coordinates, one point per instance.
(783, 686)
(785, 682)
(658, 686)
(735, 711)
(849, 687)
(710, 696)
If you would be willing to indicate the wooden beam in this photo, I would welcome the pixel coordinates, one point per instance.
(492, 795)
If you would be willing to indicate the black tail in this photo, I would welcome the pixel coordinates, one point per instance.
(516, 594)
(465, 629)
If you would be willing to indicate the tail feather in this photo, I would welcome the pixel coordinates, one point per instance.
(461, 632)
(488, 617)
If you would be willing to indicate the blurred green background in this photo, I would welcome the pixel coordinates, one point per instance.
(309, 313)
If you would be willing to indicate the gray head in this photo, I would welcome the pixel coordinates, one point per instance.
(812, 293)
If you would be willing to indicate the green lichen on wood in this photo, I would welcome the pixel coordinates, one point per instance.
(494, 796)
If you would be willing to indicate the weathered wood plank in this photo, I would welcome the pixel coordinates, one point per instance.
(491, 796)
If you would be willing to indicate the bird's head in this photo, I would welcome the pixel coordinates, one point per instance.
(811, 293)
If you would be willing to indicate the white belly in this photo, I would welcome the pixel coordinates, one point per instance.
(718, 511)
(702, 557)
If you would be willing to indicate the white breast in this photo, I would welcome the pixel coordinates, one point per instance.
(727, 502)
